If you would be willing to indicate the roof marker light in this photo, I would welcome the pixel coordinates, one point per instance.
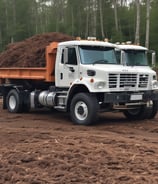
(78, 38)
(106, 40)
(91, 38)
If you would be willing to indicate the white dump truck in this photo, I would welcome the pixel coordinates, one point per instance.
(82, 78)
(137, 58)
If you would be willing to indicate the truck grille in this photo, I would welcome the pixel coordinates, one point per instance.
(113, 80)
(127, 80)
(143, 81)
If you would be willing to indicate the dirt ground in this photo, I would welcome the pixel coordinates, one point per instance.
(44, 147)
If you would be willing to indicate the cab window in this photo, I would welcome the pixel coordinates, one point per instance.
(72, 58)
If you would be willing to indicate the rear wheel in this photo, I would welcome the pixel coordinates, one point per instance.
(14, 102)
(83, 109)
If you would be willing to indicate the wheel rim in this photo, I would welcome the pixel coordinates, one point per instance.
(81, 110)
(12, 102)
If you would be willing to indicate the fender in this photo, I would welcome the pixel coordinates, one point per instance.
(74, 89)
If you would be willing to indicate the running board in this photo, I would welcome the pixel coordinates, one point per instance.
(60, 108)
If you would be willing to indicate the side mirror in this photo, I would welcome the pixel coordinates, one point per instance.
(123, 60)
(65, 55)
(153, 59)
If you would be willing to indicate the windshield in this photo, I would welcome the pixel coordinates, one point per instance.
(97, 55)
(136, 58)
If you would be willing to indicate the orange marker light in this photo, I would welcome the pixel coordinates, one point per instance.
(91, 80)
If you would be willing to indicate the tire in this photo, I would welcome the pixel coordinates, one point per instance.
(152, 111)
(136, 114)
(14, 102)
(83, 109)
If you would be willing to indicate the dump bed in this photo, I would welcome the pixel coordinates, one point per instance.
(42, 73)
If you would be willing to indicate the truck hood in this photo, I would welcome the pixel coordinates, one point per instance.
(118, 77)
(120, 69)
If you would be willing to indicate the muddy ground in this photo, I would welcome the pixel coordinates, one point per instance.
(44, 147)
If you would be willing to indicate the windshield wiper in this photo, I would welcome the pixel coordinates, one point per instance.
(101, 61)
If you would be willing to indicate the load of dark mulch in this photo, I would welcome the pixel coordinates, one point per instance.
(30, 52)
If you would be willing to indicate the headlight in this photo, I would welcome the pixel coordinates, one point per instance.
(154, 84)
(100, 85)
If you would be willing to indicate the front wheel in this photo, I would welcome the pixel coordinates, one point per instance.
(153, 110)
(136, 114)
(83, 109)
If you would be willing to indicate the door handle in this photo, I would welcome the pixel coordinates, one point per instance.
(61, 75)
(71, 69)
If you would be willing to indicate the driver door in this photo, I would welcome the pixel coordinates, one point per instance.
(68, 71)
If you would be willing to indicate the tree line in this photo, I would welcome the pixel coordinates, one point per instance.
(117, 20)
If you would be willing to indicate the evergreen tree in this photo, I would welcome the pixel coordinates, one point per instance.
(115, 20)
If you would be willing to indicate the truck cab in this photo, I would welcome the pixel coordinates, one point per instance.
(135, 55)
(80, 62)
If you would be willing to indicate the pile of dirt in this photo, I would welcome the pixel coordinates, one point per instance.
(30, 52)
